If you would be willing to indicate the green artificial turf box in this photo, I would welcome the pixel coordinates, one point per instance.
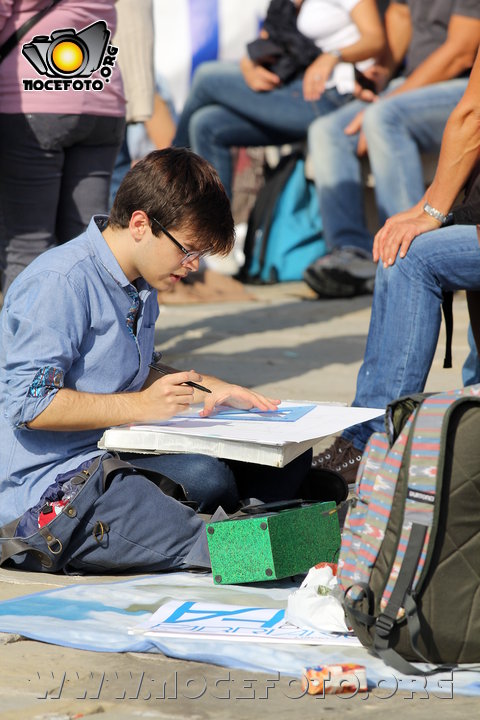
(272, 546)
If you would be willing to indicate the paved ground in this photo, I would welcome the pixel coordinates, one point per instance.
(288, 344)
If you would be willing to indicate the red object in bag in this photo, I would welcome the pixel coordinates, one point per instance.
(50, 511)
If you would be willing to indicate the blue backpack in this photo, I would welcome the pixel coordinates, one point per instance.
(285, 227)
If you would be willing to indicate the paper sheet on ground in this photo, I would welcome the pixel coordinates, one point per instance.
(97, 616)
(320, 421)
(233, 622)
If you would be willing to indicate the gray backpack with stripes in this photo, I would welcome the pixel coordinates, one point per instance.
(409, 561)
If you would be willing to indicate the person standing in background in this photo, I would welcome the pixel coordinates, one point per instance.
(57, 145)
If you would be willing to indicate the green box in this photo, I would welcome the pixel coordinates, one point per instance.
(272, 546)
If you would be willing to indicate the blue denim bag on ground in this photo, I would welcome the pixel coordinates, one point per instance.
(116, 519)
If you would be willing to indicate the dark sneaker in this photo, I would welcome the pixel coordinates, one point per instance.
(342, 457)
(345, 272)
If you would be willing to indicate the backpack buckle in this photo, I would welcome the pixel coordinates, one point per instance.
(384, 626)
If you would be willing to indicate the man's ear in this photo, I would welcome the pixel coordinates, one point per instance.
(138, 224)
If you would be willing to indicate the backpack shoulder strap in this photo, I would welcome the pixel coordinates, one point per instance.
(447, 307)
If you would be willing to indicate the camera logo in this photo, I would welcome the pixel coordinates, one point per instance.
(70, 57)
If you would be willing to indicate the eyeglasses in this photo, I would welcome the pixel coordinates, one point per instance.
(189, 255)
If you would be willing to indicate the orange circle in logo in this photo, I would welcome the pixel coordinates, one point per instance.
(67, 56)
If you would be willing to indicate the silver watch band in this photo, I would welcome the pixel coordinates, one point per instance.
(433, 212)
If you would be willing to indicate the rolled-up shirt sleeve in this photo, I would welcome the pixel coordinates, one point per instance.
(42, 337)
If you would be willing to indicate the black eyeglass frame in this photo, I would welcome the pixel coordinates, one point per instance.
(189, 255)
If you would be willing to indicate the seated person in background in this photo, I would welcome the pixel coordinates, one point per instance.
(249, 105)
(418, 259)
(407, 120)
(77, 336)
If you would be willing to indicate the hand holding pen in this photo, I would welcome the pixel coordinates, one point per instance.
(163, 369)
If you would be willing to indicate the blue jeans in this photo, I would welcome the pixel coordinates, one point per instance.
(471, 366)
(55, 174)
(221, 112)
(211, 482)
(398, 130)
(406, 316)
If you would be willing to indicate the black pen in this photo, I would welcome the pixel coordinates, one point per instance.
(166, 370)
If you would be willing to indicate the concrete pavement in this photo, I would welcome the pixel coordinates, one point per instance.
(289, 345)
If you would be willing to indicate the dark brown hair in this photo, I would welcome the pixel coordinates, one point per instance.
(181, 190)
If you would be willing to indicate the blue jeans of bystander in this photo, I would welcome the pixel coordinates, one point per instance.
(406, 315)
(398, 130)
(221, 112)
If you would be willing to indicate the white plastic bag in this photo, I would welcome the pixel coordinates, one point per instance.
(313, 605)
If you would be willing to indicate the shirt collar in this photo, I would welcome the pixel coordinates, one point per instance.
(105, 256)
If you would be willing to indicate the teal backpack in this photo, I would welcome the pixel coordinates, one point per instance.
(284, 232)
(409, 561)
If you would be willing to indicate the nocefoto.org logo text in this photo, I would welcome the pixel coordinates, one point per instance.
(69, 58)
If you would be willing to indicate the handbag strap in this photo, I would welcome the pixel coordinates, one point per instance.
(9, 544)
(16, 36)
(165, 484)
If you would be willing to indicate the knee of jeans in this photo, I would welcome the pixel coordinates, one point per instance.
(211, 483)
(413, 265)
(204, 125)
(205, 76)
(385, 277)
(320, 132)
(200, 124)
(380, 115)
(204, 72)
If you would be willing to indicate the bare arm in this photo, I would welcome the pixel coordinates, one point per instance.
(75, 411)
(160, 399)
(458, 155)
(453, 57)
(161, 126)
(371, 43)
(398, 27)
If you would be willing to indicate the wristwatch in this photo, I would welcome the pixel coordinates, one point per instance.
(433, 212)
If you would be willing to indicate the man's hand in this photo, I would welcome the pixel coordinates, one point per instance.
(160, 399)
(236, 396)
(167, 396)
(354, 127)
(379, 75)
(257, 77)
(399, 231)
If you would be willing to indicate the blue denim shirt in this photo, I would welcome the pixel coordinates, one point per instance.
(68, 321)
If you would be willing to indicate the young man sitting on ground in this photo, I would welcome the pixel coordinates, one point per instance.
(76, 340)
